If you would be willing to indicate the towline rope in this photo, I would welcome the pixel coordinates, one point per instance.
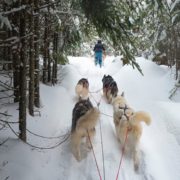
(102, 148)
(122, 154)
(94, 157)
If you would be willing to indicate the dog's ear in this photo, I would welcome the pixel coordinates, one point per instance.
(122, 94)
(103, 77)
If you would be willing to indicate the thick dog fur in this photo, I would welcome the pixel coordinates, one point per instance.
(82, 89)
(85, 118)
(110, 89)
(125, 118)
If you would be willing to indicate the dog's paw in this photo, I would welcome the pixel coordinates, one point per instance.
(116, 123)
(136, 167)
(88, 146)
(78, 157)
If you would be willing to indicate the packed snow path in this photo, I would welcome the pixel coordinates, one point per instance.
(160, 142)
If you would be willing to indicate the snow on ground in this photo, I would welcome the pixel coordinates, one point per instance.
(160, 143)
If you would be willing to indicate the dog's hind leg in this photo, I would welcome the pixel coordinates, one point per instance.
(136, 159)
(75, 145)
(89, 137)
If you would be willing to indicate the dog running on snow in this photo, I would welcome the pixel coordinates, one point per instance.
(82, 88)
(110, 89)
(125, 118)
(84, 120)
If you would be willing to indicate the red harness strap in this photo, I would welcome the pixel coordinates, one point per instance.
(123, 149)
(94, 157)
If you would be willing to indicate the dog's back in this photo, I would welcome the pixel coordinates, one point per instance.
(110, 88)
(82, 88)
(84, 82)
(107, 80)
(114, 88)
(79, 110)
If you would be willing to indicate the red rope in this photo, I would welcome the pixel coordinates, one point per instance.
(123, 149)
(94, 157)
(98, 104)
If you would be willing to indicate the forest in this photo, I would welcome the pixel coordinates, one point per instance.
(49, 30)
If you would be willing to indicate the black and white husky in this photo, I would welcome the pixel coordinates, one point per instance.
(84, 120)
(110, 89)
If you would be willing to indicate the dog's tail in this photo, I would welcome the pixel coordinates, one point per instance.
(89, 120)
(140, 116)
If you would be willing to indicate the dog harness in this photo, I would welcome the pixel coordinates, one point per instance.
(124, 112)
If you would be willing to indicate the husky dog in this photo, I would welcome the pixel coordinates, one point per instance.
(110, 89)
(126, 120)
(82, 89)
(84, 120)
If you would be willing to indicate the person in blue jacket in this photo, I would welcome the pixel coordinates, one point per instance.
(99, 50)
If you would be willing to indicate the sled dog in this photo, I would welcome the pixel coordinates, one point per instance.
(126, 120)
(110, 89)
(84, 120)
(82, 89)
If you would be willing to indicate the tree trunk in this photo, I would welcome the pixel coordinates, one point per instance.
(177, 46)
(55, 52)
(15, 53)
(23, 83)
(36, 54)
(45, 59)
(31, 60)
(175, 49)
(49, 64)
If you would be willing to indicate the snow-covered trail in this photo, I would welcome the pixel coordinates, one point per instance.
(107, 149)
(160, 142)
(151, 152)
